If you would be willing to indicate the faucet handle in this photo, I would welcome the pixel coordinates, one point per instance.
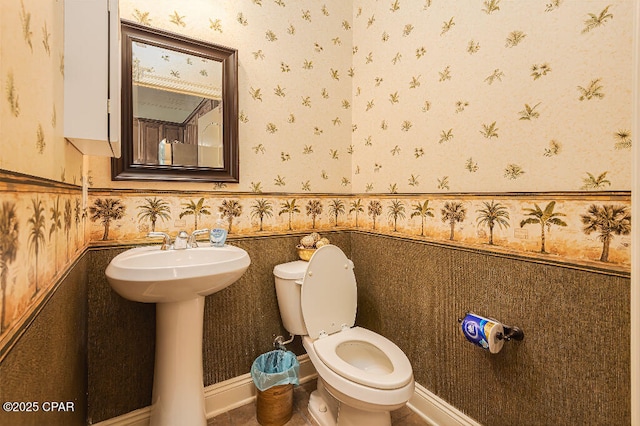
(166, 239)
(193, 237)
(181, 241)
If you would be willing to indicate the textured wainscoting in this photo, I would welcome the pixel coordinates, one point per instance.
(89, 346)
(121, 345)
(572, 368)
(48, 363)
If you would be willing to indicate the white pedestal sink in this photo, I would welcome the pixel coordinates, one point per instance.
(177, 281)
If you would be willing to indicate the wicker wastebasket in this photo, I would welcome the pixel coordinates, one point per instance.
(274, 374)
(274, 406)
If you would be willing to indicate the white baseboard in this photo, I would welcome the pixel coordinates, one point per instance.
(218, 398)
(134, 418)
(233, 393)
(436, 411)
(239, 391)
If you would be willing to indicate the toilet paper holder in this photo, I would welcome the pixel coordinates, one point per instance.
(510, 332)
(514, 333)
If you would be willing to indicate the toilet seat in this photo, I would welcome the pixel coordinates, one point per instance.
(384, 367)
(329, 302)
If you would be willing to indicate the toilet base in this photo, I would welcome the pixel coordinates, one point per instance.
(319, 410)
(351, 416)
(327, 410)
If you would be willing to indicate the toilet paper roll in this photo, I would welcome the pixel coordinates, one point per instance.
(483, 332)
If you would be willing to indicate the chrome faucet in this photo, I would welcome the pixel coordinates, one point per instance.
(166, 243)
(193, 242)
(183, 240)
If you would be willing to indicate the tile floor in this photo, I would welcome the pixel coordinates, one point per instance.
(246, 415)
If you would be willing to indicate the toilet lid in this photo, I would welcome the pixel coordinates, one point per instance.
(329, 295)
(291, 270)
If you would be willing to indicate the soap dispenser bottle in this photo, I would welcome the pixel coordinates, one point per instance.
(218, 234)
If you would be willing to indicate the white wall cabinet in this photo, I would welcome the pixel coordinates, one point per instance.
(92, 76)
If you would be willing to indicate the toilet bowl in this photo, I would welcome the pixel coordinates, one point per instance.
(362, 376)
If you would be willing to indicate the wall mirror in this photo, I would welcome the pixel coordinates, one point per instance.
(179, 108)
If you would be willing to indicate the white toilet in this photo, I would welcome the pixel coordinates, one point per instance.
(363, 376)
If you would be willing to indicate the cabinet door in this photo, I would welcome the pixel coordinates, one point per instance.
(173, 133)
(191, 133)
(92, 76)
(137, 142)
(151, 136)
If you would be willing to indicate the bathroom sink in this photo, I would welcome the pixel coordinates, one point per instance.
(177, 281)
(148, 274)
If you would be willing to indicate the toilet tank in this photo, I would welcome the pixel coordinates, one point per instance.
(288, 292)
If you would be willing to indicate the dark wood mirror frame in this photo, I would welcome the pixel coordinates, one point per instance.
(124, 168)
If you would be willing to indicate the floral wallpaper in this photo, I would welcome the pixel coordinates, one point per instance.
(491, 95)
(32, 81)
(419, 96)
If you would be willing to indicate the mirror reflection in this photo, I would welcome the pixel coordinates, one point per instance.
(177, 108)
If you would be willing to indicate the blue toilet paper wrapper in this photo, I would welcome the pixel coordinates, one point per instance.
(483, 332)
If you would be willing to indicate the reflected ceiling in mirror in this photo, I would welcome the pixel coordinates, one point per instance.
(179, 108)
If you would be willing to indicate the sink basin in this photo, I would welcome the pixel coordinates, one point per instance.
(177, 281)
(148, 274)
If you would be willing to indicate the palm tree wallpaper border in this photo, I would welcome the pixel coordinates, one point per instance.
(42, 232)
(585, 228)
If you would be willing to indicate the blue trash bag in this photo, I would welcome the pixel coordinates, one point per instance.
(275, 368)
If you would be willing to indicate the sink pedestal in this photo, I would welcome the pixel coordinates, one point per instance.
(178, 388)
(177, 281)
